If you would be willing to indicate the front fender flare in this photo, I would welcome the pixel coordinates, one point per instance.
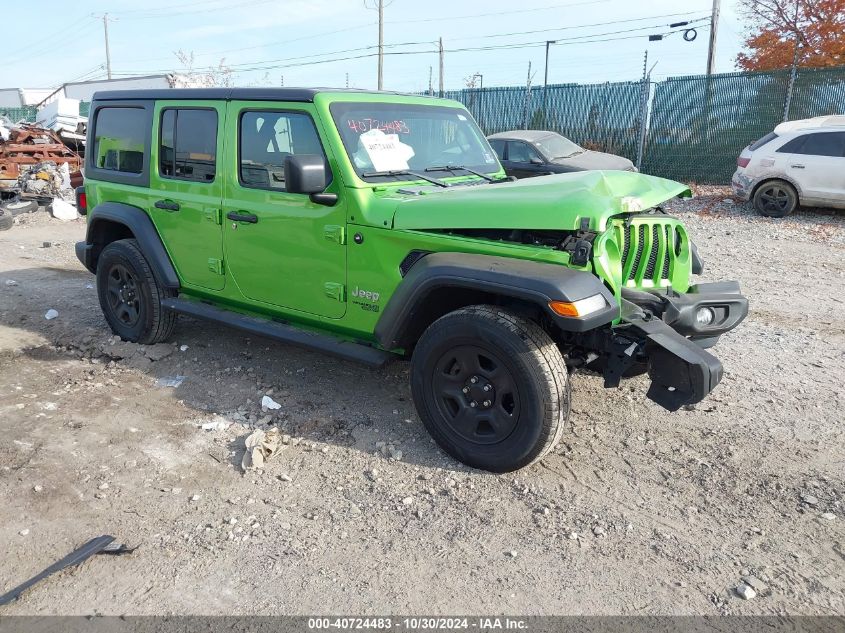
(534, 282)
(143, 230)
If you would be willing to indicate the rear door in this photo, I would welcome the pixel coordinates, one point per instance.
(817, 163)
(186, 188)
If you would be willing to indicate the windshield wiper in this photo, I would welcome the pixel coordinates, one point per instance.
(405, 172)
(486, 177)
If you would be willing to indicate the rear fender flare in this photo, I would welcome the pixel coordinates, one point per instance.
(111, 221)
(467, 278)
(777, 176)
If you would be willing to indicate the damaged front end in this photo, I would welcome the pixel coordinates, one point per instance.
(666, 324)
(666, 335)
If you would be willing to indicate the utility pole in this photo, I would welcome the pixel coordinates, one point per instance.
(380, 44)
(527, 98)
(441, 66)
(644, 90)
(797, 46)
(430, 79)
(347, 80)
(106, 33)
(546, 79)
(714, 29)
(282, 81)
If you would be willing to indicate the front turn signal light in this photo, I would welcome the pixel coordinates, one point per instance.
(580, 308)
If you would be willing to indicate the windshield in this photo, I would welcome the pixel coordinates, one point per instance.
(556, 146)
(384, 137)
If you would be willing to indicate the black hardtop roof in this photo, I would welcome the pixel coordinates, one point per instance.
(227, 94)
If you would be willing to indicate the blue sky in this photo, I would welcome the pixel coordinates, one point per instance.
(265, 40)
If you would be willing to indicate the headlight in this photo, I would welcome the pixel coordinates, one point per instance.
(579, 308)
(705, 316)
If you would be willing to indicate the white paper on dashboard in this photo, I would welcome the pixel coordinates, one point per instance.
(386, 151)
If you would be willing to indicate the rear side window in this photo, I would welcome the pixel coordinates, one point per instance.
(188, 144)
(266, 139)
(119, 139)
(819, 144)
(824, 144)
(771, 136)
(498, 146)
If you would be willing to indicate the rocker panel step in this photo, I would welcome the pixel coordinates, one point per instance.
(279, 331)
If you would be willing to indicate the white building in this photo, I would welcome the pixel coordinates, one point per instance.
(80, 90)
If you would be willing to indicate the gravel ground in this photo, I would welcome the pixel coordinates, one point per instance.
(638, 511)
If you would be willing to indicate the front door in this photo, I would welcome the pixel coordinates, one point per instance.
(281, 248)
(187, 190)
(523, 161)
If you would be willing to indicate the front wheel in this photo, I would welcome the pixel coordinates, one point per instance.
(130, 296)
(491, 388)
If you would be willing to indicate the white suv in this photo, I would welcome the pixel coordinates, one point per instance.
(801, 162)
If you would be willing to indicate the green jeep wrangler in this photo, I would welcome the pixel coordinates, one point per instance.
(375, 225)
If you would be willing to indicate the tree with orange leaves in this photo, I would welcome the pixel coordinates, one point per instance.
(811, 32)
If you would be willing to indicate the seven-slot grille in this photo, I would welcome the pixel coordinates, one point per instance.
(649, 250)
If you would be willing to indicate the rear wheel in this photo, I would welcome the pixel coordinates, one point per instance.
(775, 199)
(491, 388)
(130, 296)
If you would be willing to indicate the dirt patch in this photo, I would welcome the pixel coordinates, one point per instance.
(638, 511)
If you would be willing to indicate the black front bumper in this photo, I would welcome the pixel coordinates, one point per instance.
(660, 332)
(681, 371)
(83, 254)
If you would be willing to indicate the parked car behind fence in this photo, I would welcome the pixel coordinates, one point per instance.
(800, 162)
(526, 153)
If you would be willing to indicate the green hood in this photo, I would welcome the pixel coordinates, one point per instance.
(548, 202)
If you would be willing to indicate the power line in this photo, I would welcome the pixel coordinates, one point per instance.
(577, 26)
(268, 64)
(206, 9)
(494, 13)
(39, 43)
(249, 48)
(299, 61)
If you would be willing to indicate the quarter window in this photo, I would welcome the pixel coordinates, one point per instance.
(763, 141)
(267, 139)
(188, 145)
(119, 139)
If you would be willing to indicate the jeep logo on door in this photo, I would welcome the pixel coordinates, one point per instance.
(365, 294)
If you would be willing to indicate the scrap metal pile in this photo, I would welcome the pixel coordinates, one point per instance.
(25, 146)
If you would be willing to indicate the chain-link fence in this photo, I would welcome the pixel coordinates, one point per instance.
(686, 128)
(696, 126)
(15, 115)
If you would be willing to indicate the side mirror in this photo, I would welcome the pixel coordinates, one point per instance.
(306, 173)
(536, 161)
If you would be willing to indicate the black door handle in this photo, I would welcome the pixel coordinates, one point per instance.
(237, 216)
(167, 205)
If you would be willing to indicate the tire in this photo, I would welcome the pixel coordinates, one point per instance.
(6, 220)
(16, 207)
(471, 353)
(775, 199)
(129, 295)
